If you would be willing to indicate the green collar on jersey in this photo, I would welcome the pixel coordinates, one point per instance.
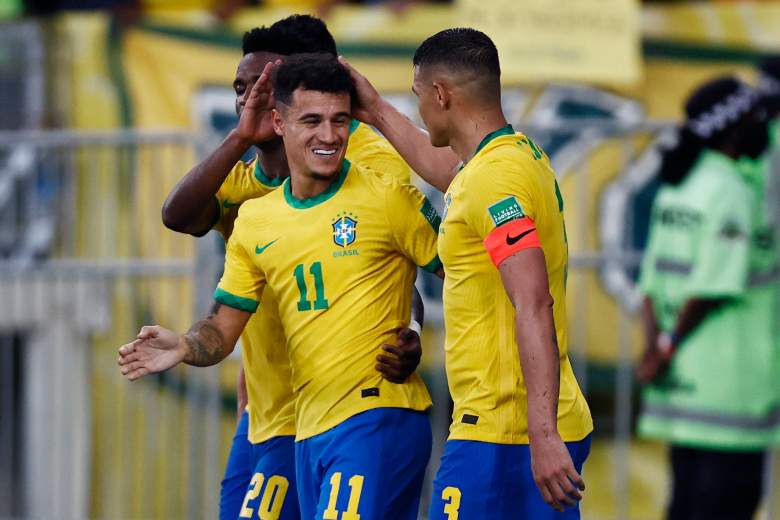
(353, 125)
(317, 199)
(264, 179)
(505, 130)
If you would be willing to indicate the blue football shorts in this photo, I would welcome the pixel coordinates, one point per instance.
(370, 465)
(483, 480)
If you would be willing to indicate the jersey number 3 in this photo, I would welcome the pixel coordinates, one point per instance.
(451, 496)
(320, 303)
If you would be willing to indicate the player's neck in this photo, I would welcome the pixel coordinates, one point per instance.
(273, 160)
(472, 129)
(305, 185)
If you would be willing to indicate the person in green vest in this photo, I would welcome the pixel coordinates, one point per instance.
(710, 363)
(764, 175)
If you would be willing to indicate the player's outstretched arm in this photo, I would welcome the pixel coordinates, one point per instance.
(437, 166)
(524, 276)
(190, 207)
(208, 342)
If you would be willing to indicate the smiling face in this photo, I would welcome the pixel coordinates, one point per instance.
(315, 130)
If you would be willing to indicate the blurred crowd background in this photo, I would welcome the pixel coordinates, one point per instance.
(105, 104)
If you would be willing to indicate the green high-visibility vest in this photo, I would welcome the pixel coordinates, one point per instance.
(10, 9)
(722, 388)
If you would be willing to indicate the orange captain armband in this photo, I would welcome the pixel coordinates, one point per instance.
(507, 239)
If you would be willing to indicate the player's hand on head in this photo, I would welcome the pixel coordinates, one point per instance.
(255, 124)
(400, 360)
(554, 472)
(367, 98)
(154, 350)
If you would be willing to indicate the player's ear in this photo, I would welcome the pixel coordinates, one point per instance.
(442, 95)
(278, 122)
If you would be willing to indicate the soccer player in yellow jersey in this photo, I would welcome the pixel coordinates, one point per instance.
(338, 246)
(263, 443)
(520, 427)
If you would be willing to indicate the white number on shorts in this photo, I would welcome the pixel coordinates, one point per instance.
(273, 497)
(356, 488)
(452, 496)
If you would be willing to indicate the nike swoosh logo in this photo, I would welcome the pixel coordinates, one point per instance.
(259, 250)
(227, 204)
(513, 240)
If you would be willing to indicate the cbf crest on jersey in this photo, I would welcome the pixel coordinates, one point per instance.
(344, 229)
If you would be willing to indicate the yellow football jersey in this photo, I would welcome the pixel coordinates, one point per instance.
(264, 353)
(341, 266)
(508, 184)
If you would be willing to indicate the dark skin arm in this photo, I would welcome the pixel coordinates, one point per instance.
(694, 313)
(655, 362)
(190, 207)
(651, 361)
(405, 355)
(524, 276)
(208, 342)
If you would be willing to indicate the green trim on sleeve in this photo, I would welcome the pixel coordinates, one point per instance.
(432, 266)
(237, 302)
(430, 214)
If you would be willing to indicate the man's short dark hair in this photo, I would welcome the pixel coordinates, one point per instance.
(461, 50)
(319, 72)
(296, 34)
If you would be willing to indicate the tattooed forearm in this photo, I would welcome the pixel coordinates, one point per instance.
(206, 345)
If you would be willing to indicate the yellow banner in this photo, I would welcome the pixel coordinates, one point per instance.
(580, 40)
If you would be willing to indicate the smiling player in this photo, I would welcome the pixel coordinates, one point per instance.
(209, 196)
(362, 441)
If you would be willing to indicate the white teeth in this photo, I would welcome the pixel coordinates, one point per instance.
(324, 152)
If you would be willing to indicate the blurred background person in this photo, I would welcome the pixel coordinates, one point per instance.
(710, 362)
(769, 86)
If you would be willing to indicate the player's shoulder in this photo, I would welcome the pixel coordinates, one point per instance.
(259, 209)
(380, 182)
(362, 135)
(507, 161)
(512, 152)
(372, 150)
(363, 174)
(386, 189)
